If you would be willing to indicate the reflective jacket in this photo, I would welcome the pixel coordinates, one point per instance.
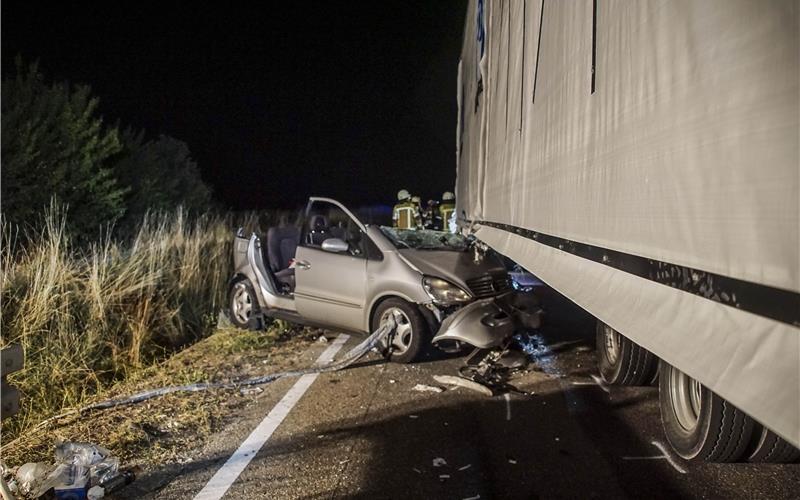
(446, 210)
(405, 215)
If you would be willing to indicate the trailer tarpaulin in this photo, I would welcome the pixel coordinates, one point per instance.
(642, 158)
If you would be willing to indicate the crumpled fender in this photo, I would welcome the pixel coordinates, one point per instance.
(487, 323)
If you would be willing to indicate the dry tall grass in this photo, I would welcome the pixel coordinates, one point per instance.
(88, 317)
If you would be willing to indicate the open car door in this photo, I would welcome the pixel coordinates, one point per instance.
(331, 266)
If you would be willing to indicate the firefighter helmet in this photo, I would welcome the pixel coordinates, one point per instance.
(448, 196)
(403, 195)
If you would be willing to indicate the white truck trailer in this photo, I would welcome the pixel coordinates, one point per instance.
(641, 157)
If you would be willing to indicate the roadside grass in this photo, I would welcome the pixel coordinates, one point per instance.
(164, 429)
(91, 317)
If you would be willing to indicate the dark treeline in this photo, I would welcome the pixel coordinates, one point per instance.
(55, 146)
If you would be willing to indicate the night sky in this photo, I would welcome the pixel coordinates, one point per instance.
(278, 101)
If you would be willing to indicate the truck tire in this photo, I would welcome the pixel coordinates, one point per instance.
(622, 361)
(243, 309)
(408, 341)
(700, 425)
(768, 447)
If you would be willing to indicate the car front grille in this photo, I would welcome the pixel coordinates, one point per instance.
(489, 285)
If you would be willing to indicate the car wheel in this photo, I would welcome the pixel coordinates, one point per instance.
(621, 361)
(410, 335)
(699, 424)
(768, 447)
(243, 310)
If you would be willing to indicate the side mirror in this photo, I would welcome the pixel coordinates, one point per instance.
(334, 245)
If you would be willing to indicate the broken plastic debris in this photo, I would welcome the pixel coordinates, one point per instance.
(476, 497)
(95, 493)
(427, 388)
(322, 339)
(31, 475)
(392, 381)
(416, 470)
(512, 461)
(413, 416)
(73, 480)
(439, 462)
(465, 467)
(444, 476)
(462, 382)
(80, 453)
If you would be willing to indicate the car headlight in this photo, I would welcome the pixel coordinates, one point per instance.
(444, 292)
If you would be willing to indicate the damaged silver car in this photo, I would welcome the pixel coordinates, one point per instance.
(336, 272)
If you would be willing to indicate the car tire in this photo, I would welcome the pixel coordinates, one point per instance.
(621, 361)
(700, 425)
(768, 447)
(243, 309)
(409, 341)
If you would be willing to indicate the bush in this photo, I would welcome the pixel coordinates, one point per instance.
(161, 175)
(54, 145)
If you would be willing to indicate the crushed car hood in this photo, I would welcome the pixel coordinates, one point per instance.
(456, 267)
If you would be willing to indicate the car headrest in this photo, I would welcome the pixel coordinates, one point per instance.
(318, 223)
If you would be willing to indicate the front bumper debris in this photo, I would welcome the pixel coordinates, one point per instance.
(489, 322)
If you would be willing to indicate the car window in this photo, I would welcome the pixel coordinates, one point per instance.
(425, 239)
(324, 221)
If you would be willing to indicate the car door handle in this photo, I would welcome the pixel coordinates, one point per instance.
(302, 264)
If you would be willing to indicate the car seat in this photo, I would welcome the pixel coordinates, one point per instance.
(281, 247)
(318, 233)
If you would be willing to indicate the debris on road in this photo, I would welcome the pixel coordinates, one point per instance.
(444, 477)
(413, 416)
(465, 467)
(95, 493)
(439, 462)
(248, 391)
(476, 497)
(427, 388)
(462, 382)
(322, 339)
(512, 461)
(346, 360)
(81, 471)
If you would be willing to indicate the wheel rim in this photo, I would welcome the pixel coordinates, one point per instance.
(242, 303)
(686, 395)
(611, 342)
(403, 334)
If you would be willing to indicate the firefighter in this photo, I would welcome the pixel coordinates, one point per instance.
(446, 209)
(431, 216)
(406, 213)
(417, 201)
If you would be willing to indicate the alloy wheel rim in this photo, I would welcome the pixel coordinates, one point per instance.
(403, 334)
(242, 304)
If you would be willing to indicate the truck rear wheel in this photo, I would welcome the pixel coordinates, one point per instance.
(768, 447)
(622, 361)
(700, 425)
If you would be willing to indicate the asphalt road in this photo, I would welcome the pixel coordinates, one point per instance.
(366, 433)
